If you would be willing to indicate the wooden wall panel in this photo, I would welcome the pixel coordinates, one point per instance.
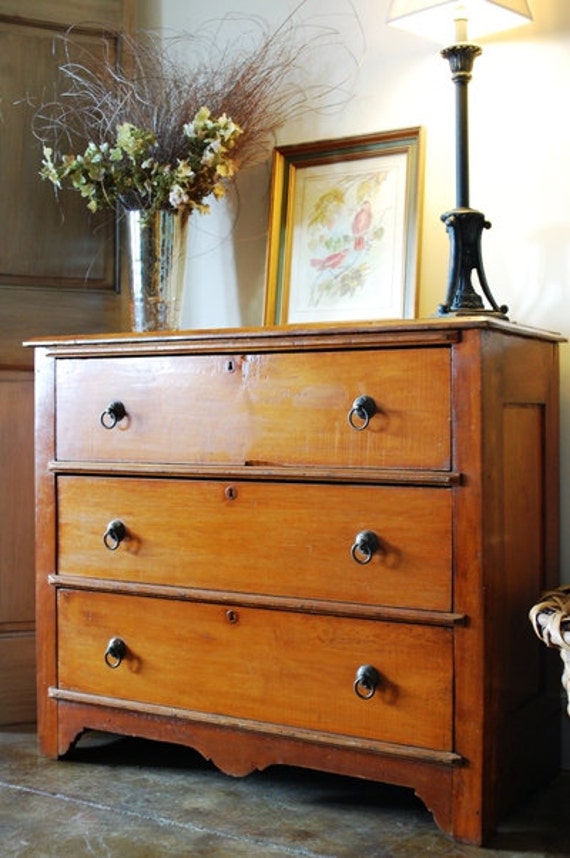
(56, 276)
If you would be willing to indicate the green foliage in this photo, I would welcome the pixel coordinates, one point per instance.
(130, 172)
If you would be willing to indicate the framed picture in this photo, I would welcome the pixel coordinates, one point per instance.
(343, 231)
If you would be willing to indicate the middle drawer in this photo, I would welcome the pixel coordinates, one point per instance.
(384, 545)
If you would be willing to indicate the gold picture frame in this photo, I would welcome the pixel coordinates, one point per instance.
(343, 229)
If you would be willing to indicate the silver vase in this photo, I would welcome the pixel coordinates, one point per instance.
(156, 247)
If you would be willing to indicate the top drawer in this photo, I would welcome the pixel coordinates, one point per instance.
(272, 409)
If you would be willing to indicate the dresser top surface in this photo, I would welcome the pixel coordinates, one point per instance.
(431, 331)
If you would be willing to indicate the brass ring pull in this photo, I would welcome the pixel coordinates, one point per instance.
(112, 414)
(366, 682)
(114, 535)
(115, 653)
(365, 545)
(363, 408)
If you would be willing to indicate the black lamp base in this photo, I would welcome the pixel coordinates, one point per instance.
(464, 227)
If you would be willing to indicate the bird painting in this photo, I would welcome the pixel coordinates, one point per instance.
(361, 223)
(344, 227)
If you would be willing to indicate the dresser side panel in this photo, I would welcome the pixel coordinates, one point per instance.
(46, 618)
(521, 552)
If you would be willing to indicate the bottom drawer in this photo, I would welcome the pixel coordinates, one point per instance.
(279, 667)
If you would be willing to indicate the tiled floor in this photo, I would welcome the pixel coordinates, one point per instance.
(120, 798)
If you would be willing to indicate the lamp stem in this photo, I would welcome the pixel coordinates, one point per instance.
(461, 143)
(463, 224)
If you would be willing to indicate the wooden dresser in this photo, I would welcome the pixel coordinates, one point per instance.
(305, 546)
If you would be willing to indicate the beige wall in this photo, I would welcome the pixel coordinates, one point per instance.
(520, 164)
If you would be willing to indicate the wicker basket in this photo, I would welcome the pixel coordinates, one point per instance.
(550, 618)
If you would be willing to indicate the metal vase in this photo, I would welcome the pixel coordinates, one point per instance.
(157, 262)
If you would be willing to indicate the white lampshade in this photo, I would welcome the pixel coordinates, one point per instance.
(445, 21)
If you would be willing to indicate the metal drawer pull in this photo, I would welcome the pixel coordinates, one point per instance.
(114, 535)
(363, 408)
(112, 414)
(115, 653)
(365, 545)
(366, 682)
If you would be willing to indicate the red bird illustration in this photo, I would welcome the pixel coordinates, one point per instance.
(361, 224)
(331, 261)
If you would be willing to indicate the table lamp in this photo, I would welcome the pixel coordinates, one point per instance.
(456, 21)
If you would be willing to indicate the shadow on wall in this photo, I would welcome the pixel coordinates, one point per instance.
(555, 17)
(227, 248)
(251, 202)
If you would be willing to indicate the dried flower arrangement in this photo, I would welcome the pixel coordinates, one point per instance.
(128, 170)
(173, 121)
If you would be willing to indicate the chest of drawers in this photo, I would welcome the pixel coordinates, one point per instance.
(305, 546)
